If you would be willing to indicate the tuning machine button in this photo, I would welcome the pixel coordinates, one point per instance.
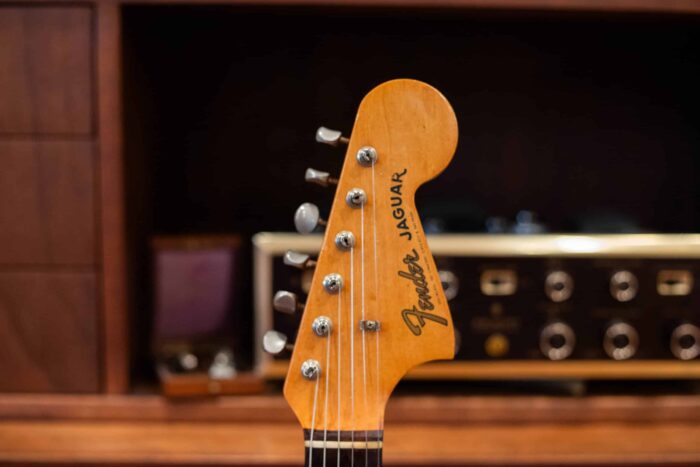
(319, 177)
(307, 218)
(330, 137)
(298, 260)
(275, 343)
(287, 302)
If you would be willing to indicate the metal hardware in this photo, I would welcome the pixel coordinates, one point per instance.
(685, 341)
(367, 156)
(557, 341)
(307, 218)
(623, 286)
(498, 282)
(311, 369)
(330, 137)
(450, 283)
(333, 283)
(558, 286)
(286, 302)
(370, 325)
(322, 326)
(356, 198)
(319, 178)
(621, 341)
(672, 282)
(345, 240)
(298, 260)
(187, 361)
(275, 343)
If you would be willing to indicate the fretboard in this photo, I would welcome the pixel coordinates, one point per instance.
(343, 449)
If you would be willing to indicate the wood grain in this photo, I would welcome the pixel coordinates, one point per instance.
(45, 70)
(47, 203)
(414, 131)
(279, 444)
(48, 332)
(402, 409)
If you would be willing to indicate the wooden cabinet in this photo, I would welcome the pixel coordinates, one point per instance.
(48, 332)
(47, 205)
(45, 70)
(49, 272)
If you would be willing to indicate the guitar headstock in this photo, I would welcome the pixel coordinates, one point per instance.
(376, 306)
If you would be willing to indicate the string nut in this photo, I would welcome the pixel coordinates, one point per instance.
(322, 326)
(311, 369)
(370, 325)
(367, 156)
(356, 198)
(345, 240)
(333, 283)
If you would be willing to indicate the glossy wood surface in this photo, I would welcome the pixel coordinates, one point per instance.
(413, 129)
(119, 443)
(48, 332)
(46, 70)
(47, 203)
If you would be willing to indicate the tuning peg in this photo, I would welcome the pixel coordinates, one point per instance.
(330, 137)
(287, 302)
(275, 343)
(319, 178)
(298, 260)
(307, 218)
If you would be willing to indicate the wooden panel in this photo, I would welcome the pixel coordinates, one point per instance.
(47, 203)
(45, 70)
(48, 331)
(281, 444)
(114, 323)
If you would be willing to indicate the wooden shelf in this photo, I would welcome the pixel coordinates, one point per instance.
(191, 443)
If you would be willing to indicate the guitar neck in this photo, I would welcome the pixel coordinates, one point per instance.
(343, 449)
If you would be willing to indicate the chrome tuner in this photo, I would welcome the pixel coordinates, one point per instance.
(330, 137)
(287, 302)
(307, 218)
(298, 260)
(275, 343)
(319, 178)
(345, 240)
(322, 326)
(333, 283)
(366, 156)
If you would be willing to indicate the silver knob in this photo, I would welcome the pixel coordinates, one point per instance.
(623, 286)
(620, 341)
(298, 260)
(330, 137)
(319, 178)
(275, 343)
(287, 302)
(307, 218)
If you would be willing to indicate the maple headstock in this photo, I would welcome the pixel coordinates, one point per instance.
(375, 294)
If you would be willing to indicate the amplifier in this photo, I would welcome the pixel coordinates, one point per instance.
(533, 306)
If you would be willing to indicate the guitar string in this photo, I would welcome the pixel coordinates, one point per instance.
(313, 424)
(376, 305)
(339, 365)
(352, 356)
(325, 401)
(364, 345)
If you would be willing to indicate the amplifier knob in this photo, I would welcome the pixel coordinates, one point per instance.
(623, 286)
(558, 286)
(557, 341)
(620, 341)
(450, 283)
(685, 341)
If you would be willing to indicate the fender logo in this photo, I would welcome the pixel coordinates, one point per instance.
(415, 317)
